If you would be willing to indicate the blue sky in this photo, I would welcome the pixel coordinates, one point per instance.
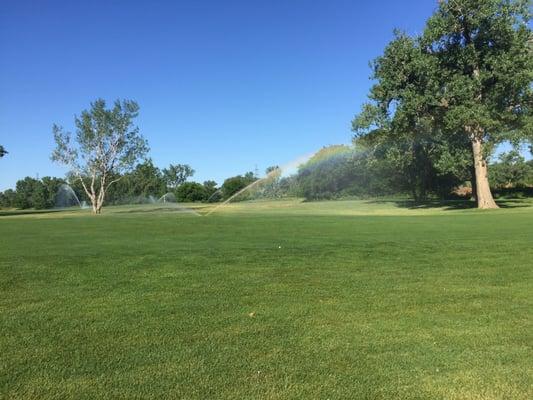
(224, 86)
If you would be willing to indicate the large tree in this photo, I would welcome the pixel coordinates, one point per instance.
(106, 145)
(465, 83)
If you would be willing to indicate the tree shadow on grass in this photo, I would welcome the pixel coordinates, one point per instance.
(9, 213)
(450, 205)
(513, 203)
(152, 210)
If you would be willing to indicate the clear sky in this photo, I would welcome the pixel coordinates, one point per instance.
(224, 86)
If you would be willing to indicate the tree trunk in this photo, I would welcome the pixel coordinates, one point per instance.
(100, 200)
(483, 193)
(96, 202)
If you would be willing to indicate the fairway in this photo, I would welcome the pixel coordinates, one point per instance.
(271, 300)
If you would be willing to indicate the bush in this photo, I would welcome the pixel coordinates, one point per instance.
(191, 192)
(233, 185)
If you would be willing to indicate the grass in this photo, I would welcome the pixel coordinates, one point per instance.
(280, 300)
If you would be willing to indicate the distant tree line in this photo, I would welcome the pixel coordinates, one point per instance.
(32, 193)
(144, 183)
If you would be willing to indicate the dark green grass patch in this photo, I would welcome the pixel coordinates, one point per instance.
(267, 306)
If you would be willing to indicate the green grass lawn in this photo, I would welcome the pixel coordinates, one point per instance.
(282, 300)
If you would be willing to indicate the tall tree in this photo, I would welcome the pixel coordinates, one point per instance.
(177, 174)
(465, 82)
(105, 146)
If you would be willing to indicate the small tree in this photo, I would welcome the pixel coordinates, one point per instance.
(105, 146)
(177, 174)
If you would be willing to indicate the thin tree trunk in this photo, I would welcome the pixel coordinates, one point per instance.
(484, 195)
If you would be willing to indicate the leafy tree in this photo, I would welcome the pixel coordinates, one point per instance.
(191, 191)
(8, 198)
(24, 192)
(210, 187)
(39, 196)
(3, 151)
(326, 174)
(32, 193)
(146, 179)
(339, 171)
(50, 187)
(465, 82)
(511, 171)
(106, 145)
(177, 174)
(235, 184)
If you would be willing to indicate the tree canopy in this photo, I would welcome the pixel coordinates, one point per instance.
(176, 174)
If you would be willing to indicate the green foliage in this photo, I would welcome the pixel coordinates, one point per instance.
(25, 189)
(512, 171)
(210, 188)
(371, 171)
(143, 181)
(50, 187)
(233, 185)
(191, 192)
(483, 56)
(8, 198)
(146, 179)
(106, 141)
(328, 174)
(177, 174)
(32, 193)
